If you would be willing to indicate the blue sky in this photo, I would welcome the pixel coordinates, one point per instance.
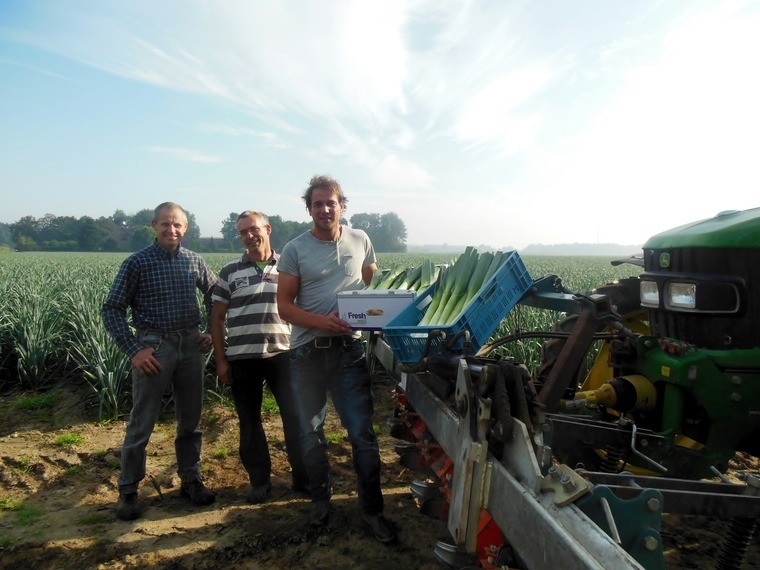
(478, 122)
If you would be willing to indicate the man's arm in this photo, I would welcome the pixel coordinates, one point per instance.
(217, 327)
(368, 272)
(287, 290)
(114, 313)
(206, 283)
(114, 310)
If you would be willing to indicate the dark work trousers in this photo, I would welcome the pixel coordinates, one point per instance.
(248, 377)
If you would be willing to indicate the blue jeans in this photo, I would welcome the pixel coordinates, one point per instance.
(182, 365)
(248, 377)
(343, 371)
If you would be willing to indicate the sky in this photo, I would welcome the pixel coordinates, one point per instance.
(503, 123)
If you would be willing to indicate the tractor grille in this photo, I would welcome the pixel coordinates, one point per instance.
(713, 331)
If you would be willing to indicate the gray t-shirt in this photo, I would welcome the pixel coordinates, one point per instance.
(324, 268)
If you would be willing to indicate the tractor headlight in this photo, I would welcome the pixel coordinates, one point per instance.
(683, 295)
(649, 294)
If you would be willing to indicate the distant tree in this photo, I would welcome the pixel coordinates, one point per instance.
(370, 223)
(192, 239)
(110, 244)
(24, 233)
(26, 243)
(229, 231)
(116, 235)
(229, 227)
(5, 234)
(394, 231)
(285, 230)
(90, 234)
(143, 218)
(387, 231)
(193, 231)
(120, 218)
(141, 237)
(278, 232)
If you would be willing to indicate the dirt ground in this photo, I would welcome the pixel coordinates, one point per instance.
(58, 502)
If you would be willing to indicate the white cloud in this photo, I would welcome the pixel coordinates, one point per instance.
(401, 175)
(493, 111)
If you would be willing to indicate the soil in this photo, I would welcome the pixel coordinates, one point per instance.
(58, 502)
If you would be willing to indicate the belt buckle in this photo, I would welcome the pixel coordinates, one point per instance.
(323, 342)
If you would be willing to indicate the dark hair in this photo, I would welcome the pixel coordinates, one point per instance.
(325, 182)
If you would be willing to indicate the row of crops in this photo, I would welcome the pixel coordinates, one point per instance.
(51, 331)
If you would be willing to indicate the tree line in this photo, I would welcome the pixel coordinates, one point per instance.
(124, 232)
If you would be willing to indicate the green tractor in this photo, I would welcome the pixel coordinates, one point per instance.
(647, 388)
(679, 372)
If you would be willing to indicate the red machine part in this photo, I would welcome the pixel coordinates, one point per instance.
(490, 539)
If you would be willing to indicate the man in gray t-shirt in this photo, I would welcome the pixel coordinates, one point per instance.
(326, 354)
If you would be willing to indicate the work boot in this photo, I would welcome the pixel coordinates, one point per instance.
(197, 492)
(128, 507)
(320, 512)
(384, 530)
(258, 494)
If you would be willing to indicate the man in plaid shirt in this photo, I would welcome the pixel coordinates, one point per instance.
(158, 285)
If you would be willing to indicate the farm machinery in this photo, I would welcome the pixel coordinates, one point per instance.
(573, 464)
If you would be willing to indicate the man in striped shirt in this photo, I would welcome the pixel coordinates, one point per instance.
(257, 352)
(158, 286)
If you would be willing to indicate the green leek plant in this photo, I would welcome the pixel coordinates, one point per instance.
(460, 284)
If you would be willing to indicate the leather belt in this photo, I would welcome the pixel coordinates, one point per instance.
(188, 330)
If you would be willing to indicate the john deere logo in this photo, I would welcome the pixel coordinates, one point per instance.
(664, 260)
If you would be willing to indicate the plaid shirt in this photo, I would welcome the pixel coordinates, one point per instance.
(159, 287)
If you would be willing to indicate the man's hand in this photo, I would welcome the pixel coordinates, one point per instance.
(146, 363)
(204, 342)
(334, 325)
(223, 371)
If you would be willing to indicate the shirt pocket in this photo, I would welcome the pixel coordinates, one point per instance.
(349, 266)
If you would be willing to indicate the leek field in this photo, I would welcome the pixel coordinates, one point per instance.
(51, 330)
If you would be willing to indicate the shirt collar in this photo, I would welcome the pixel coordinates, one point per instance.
(273, 259)
(161, 252)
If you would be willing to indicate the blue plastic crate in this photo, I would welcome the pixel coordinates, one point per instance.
(481, 316)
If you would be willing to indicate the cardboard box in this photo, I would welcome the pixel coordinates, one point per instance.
(372, 309)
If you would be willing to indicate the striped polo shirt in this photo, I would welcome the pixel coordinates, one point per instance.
(254, 326)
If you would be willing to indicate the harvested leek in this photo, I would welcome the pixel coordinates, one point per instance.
(417, 278)
(459, 284)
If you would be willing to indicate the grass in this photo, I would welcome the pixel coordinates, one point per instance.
(27, 515)
(211, 417)
(23, 465)
(68, 440)
(91, 519)
(75, 470)
(221, 452)
(334, 437)
(269, 405)
(9, 504)
(35, 401)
